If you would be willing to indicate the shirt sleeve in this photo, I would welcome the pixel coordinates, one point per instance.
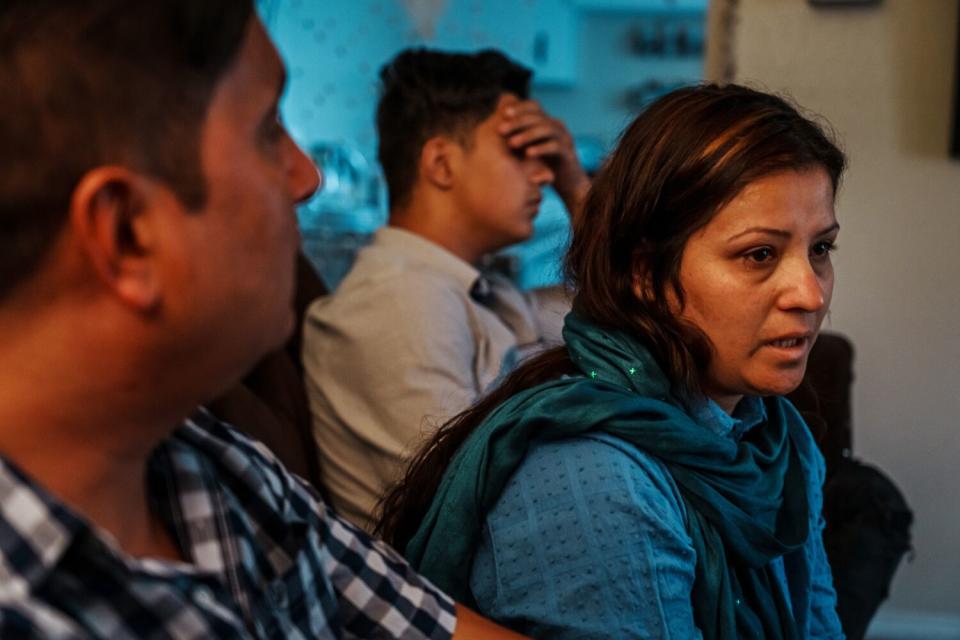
(588, 540)
(383, 371)
(367, 589)
(818, 594)
(395, 359)
(34, 620)
(378, 594)
(824, 621)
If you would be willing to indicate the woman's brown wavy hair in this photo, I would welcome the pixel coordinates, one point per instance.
(678, 163)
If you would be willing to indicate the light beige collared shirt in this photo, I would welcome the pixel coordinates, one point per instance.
(399, 348)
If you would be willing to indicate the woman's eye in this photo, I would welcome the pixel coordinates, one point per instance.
(759, 256)
(823, 249)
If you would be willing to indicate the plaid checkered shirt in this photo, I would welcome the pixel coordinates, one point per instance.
(268, 559)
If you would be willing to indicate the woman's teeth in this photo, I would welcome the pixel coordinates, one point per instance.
(792, 342)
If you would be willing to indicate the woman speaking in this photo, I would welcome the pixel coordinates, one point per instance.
(647, 479)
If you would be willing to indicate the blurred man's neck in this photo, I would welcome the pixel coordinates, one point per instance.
(82, 421)
(433, 217)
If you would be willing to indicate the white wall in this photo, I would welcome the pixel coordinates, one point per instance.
(596, 106)
(883, 77)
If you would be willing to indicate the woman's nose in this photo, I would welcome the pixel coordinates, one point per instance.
(805, 289)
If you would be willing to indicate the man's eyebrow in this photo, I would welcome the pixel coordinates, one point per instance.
(781, 232)
(272, 114)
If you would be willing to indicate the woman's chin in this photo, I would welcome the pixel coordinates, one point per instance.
(777, 386)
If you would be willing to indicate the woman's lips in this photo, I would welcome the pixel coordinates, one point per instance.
(790, 346)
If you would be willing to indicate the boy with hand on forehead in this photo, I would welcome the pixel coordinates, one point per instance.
(416, 332)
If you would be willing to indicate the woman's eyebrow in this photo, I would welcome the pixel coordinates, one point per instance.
(767, 230)
(834, 227)
(780, 232)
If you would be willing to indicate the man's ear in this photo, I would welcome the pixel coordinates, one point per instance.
(438, 160)
(109, 215)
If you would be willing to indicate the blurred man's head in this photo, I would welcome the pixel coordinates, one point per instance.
(438, 124)
(97, 83)
(142, 162)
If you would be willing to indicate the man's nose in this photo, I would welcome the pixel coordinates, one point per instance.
(304, 177)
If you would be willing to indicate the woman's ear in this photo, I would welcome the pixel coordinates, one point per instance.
(437, 161)
(110, 217)
(642, 278)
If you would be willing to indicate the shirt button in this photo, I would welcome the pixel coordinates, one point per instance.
(203, 596)
(278, 593)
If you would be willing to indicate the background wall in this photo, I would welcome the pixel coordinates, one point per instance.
(614, 79)
(595, 63)
(883, 76)
(335, 48)
(579, 50)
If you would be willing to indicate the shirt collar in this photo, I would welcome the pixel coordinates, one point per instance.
(748, 413)
(210, 459)
(416, 248)
(39, 530)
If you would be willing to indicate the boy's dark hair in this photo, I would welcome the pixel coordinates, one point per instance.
(99, 82)
(424, 93)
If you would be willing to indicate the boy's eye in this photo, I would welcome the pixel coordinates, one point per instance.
(518, 152)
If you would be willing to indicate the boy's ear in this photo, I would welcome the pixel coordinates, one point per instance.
(113, 224)
(438, 160)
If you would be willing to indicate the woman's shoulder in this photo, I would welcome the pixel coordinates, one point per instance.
(595, 472)
(599, 447)
(589, 536)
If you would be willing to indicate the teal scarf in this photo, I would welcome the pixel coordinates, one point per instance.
(746, 501)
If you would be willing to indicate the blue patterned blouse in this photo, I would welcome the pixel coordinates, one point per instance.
(588, 541)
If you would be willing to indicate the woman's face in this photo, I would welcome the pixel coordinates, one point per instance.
(758, 280)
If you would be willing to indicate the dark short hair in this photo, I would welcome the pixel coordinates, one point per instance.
(685, 157)
(424, 93)
(98, 82)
